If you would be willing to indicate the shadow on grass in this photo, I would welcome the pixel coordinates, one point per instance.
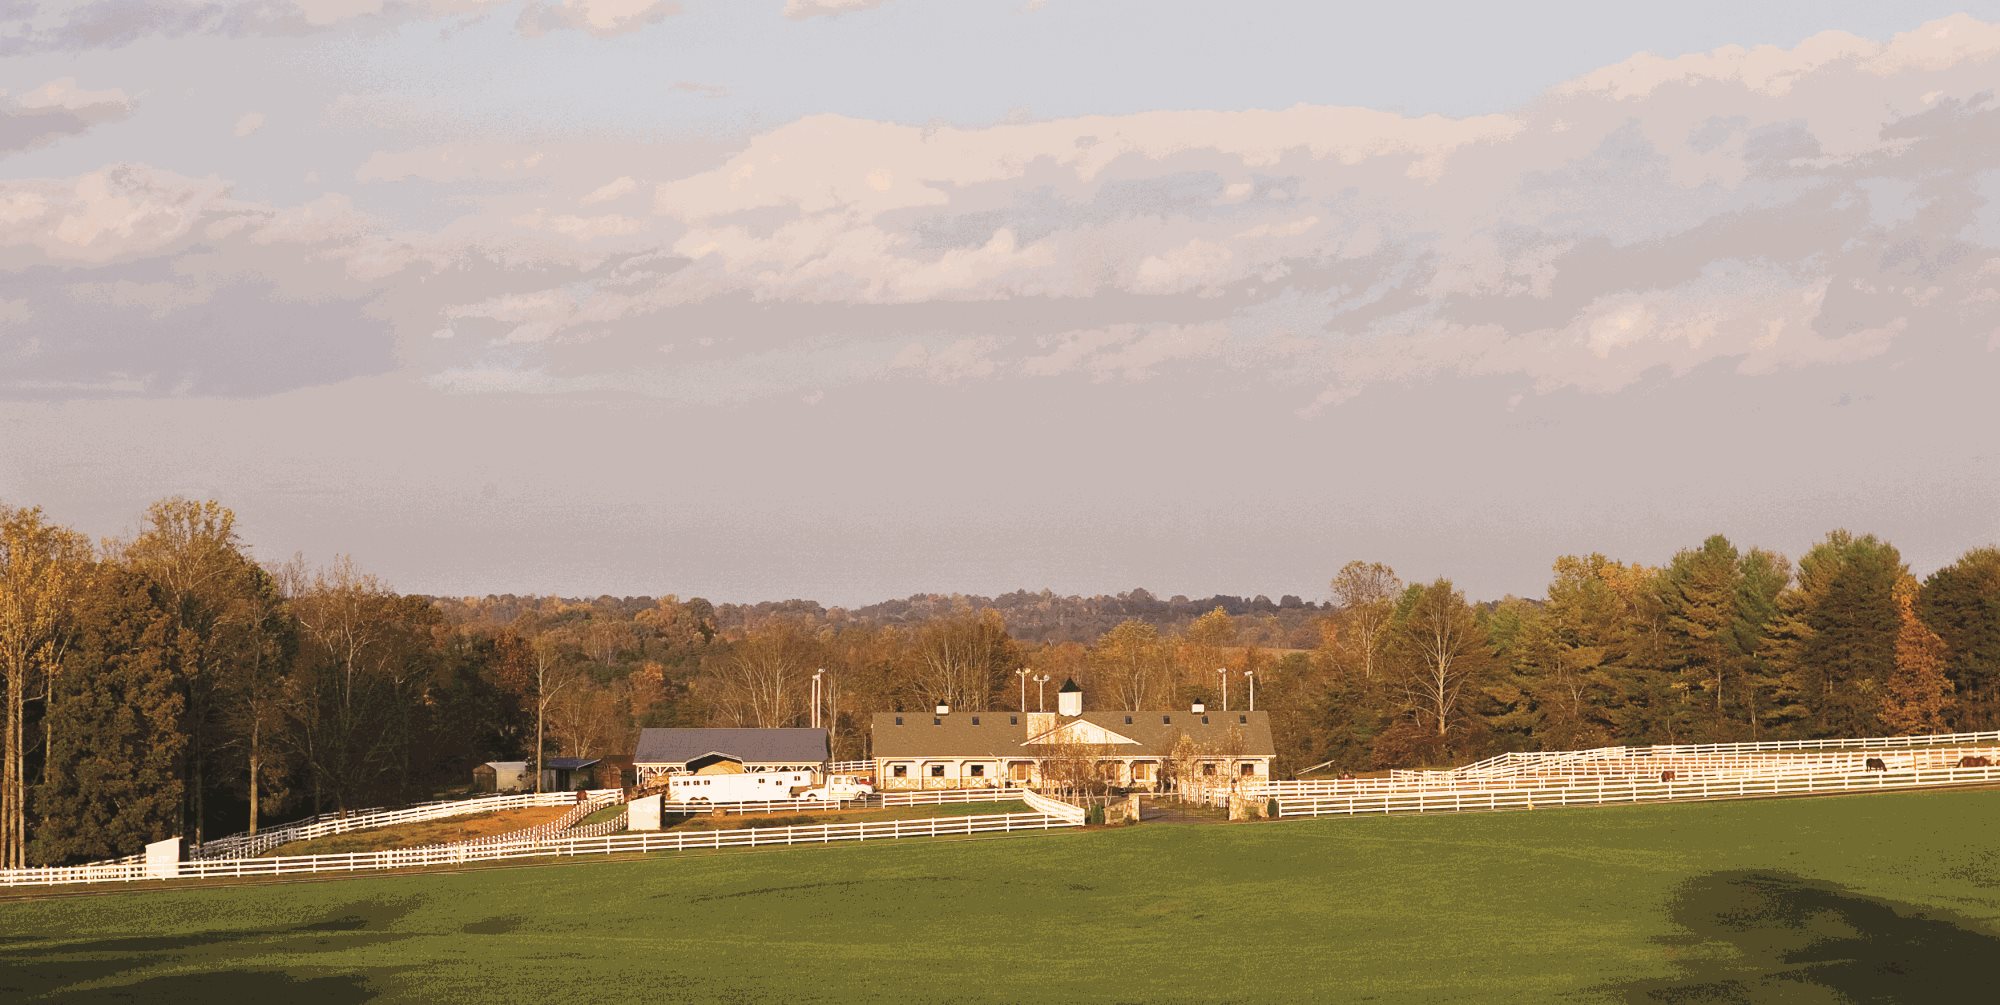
(1792, 936)
(53, 969)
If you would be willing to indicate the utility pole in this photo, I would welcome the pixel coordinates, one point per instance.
(1023, 674)
(1040, 682)
(1223, 674)
(815, 696)
(1251, 676)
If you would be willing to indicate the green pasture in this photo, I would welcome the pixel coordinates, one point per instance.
(1871, 898)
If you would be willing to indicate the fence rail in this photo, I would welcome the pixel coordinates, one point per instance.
(247, 845)
(933, 797)
(1605, 791)
(613, 844)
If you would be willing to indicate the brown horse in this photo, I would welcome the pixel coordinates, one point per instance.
(1667, 776)
(1970, 761)
(1877, 764)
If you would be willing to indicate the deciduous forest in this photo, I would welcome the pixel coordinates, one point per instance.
(172, 683)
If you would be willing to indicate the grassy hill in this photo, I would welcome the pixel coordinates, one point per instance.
(1866, 897)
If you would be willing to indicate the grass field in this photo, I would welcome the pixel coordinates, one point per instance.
(1877, 897)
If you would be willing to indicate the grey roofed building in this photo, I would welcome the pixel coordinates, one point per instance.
(569, 763)
(670, 751)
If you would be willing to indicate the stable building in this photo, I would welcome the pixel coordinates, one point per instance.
(942, 749)
(665, 752)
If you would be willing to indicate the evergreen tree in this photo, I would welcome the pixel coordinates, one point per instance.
(115, 782)
(1962, 602)
(1835, 641)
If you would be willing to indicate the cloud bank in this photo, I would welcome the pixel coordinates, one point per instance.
(1759, 209)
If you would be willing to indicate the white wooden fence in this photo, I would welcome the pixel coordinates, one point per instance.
(1586, 792)
(1518, 763)
(615, 844)
(246, 845)
(934, 797)
(1053, 807)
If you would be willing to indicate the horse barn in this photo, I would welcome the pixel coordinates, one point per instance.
(943, 749)
(665, 752)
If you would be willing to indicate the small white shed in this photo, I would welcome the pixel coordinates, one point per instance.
(503, 776)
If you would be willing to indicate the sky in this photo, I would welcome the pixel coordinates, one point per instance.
(854, 299)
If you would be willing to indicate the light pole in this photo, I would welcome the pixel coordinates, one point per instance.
(815, 696)
(1251, 676)
(1223, 674)
(1023, 674)
(1041, 680)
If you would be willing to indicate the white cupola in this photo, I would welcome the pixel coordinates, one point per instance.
(1069, 701)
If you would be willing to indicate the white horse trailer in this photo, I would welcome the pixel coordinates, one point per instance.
(749, 787)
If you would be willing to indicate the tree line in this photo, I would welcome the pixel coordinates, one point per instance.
(172, 684)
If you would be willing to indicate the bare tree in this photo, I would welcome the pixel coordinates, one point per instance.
(1366, 594)
(1442, 648)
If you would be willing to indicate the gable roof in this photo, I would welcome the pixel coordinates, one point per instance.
(1005, 734)
(568, 763)
(752, 746)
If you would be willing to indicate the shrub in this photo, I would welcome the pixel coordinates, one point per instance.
(1271, 808)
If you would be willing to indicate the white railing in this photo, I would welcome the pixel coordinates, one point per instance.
(614, 844)
(1053, 807)
(246, 845)
(116, 871)
(934, 797)
(1601, 791)
(755, 806)
(1517, 763)
(559, 827)
(850, 767)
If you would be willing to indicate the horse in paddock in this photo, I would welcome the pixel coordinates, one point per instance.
(1877, 764)
(1667, 776)
(1971, 761)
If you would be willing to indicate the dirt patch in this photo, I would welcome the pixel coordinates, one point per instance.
(429, 832)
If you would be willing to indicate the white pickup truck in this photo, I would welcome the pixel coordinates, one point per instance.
(841, 787)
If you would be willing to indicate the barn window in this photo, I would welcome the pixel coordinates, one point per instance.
(1128, 720)
(975, 720)
(937, 771)
(900, 771)
(1247, 770)
(1013, 720)
(979, 771)
(899, 720)
(1208, 768)
(1243, 718)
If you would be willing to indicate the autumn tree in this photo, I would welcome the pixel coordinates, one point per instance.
(190, 550)
(759, 682)
(1917, 697)
(41, 567)
(1439, 653)
(1365, 595)
(1204, 648)
(1133, 661)
(963, 658)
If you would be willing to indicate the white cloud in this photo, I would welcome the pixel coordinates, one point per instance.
(602, 18)
(249, 123)
(799, 10)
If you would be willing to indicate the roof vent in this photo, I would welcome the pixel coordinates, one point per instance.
(1199, 708)
(943, 709)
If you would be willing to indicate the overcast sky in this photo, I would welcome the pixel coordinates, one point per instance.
(850, 299)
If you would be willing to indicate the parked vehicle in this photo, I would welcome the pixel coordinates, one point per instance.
(754, 786)
(841, 787)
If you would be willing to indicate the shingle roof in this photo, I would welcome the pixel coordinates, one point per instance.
(1003, 734)
(679, 746)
